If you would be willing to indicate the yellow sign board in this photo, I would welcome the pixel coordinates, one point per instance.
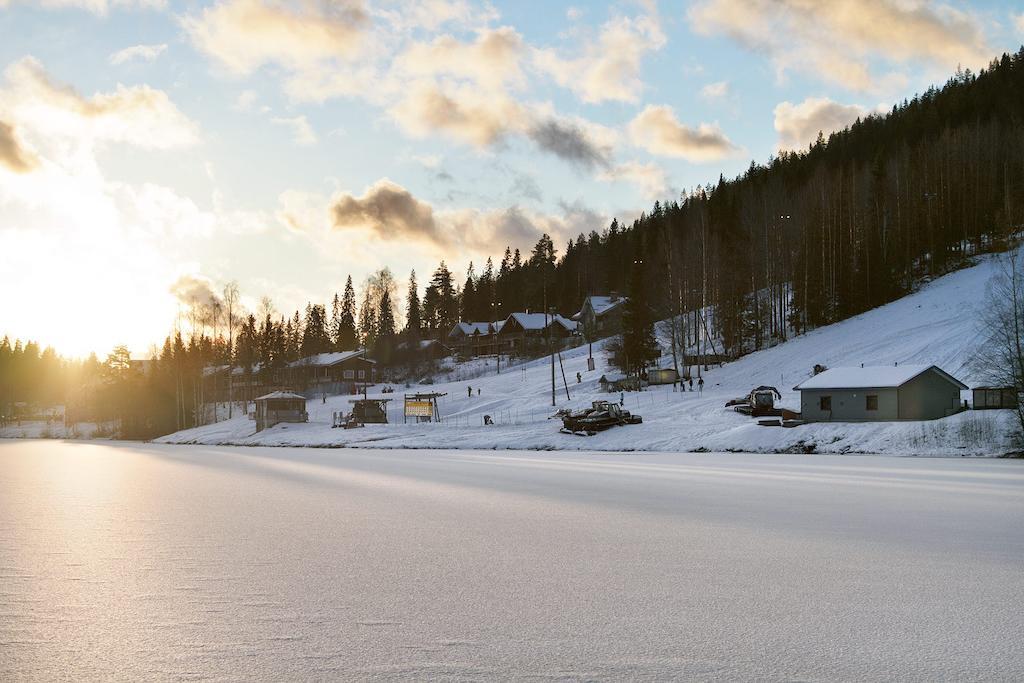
(419, 409)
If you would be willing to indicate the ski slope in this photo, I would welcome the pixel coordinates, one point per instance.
(937, 325)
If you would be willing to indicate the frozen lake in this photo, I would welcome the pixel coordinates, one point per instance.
(137, 561)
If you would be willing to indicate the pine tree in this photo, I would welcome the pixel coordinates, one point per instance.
(469, 307)
(385, 343)
(367, 319)
(334, 328)
(315, 338)
(638, 344)
(413, 315)
(347, 339)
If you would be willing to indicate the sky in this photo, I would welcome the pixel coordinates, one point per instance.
(152, 151)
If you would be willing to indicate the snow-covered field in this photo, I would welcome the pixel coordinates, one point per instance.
(937, 325)
(140, 561)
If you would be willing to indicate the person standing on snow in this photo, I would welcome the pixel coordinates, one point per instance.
(469, 392)
(700, 386)
(579, 378)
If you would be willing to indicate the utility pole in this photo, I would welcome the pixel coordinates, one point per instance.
(547, 330)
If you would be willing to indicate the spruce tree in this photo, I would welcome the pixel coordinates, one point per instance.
(413, 315)
(347, 339)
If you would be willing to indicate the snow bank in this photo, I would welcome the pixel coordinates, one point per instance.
(937, 325)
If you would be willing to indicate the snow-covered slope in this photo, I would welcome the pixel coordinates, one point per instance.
(937, 325)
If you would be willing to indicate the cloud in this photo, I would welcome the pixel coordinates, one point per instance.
(392, 214)
(243, 35)
(388, 211)
(715, 91)
(492, 60)
(12, 154)
(431, 15)
(798, 124)
(570, 142)
(837, 40)
(464, 113)
(657, 130)
(302, 132)
(1018, 22)
(194, 290)
(144, 53)
(137, 115)
(650, 178)
(95, 6)
(609, 67)
(526, 187)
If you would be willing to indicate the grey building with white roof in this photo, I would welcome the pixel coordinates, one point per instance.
(880, 393)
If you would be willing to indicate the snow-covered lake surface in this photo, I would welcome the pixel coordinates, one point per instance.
(142, 561)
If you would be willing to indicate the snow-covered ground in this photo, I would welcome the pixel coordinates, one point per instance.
(137, 562)
(937, 325)
(52, 429)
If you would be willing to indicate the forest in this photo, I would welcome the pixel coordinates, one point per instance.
(810, 237)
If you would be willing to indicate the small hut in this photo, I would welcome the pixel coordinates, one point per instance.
(280, 406)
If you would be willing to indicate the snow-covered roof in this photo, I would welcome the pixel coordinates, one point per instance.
(468, 328)
(498, 324)
(213, 369)
(871, 377)
(600, 305)
(534, 322)
(570, 325)
(280, 394)
(327, 359)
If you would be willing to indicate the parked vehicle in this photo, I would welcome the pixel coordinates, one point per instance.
(760, 402)
(600, 416)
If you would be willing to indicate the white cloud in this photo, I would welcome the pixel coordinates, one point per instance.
(798, 124)
(137, 115)
(243, 35)
(143, 53)
(657, 130)
(650, 178)
(837, 40)
(715, 91)
(609, 67)
(302, 132)
(491, 60)
(13, 154)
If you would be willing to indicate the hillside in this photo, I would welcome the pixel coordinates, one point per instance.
(937, 324)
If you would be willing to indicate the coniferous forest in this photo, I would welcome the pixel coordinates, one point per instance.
(808, 238)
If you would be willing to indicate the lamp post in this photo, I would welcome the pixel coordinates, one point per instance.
(495, 310)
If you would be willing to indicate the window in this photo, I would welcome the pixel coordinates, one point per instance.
(350, 374)
(871, 402)
(825, 403)
(362, 374)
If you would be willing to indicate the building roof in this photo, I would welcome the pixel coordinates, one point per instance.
(213, 369)
(468, 329)
(600, 304)
(328, 359)
(280, 394)
(538, 321)
(872, 377)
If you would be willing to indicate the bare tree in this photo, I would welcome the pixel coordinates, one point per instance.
(1001, 358)
(231, 297)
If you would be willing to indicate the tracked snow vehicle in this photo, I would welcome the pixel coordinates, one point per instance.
(601, 415)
